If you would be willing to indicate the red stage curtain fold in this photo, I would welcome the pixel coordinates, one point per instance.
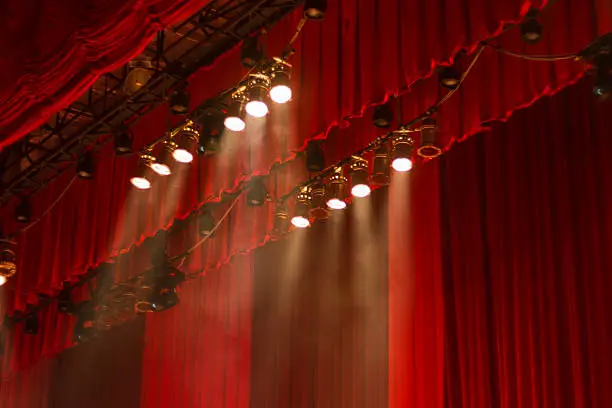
(53, 51)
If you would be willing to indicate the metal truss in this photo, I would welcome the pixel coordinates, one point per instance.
(93, 120)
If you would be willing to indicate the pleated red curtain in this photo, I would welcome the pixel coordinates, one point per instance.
(526, 237)
(53, 51)
(337, 79)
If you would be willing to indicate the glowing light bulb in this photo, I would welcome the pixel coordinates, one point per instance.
(140, 183)
(2, 280)
(234, 123)
(281, 94)
(336, 204)
(402, 164)
(300, 222)
(182, 156)
(161, 168)
(257, 109)
(361, 190)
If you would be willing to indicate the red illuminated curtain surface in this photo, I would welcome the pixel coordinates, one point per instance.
(53, 51)
(337, 74)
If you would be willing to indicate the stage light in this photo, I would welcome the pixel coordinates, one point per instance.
(235, 117)
(402, 152)
(189, 137)
(139, 73)
(449, 77)
(22, 211)
(212, 129)
(257, 194)
(383, 115)
(164, 294)
(315, 9)
(179, 100)
(281, 218)
(257, 91)
(318, 208)
(85, 166)
(429, 131)
(302, 209)
(31, 324)
(142, 178)
(382, 166)
(359, 177)
(206, 223)
(123, 143)
(603, 80)
(85, 328)
(161, 166)
(251, 52)
(8, 268)
(64, 302)
(315, 157)
(281, 90)
(337, 191)
(3, 280)
(531, 29)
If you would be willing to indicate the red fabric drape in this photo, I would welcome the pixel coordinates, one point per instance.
(53, 51)
(326, 91)
(526, 259)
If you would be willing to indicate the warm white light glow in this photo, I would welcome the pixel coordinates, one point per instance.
(300, 222)
(402, 164)
(257, 109)
(2, 280)
(281, 94)
(336, 204)
(182, 156)
(234, 123)
(140, 183)
(161, 169)
(361, 190)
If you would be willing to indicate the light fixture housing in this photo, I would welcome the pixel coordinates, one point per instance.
(178, 100)
(234, 120)
(382, 166)
(337, 193)
(402, 151)
(189, 137)
(257, 194)
(161, 165)
(602, 88)
(281, 218)
(210, 136)
(257, 92)
(8, 267)
(85, 166)
(383, 115)
(206, 223)
(85, 327)
(315, 9)
(359, 177)
(318, 208)
(531, 29)
(123, 142)
(429, 133)
(140, 72)
(315, 157)
(280, 90)
(251, 52)
(22, 211)
(31, 323)
(449, 77)
(142, 179)
(301, 215)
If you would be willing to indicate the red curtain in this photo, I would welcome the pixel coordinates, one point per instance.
(53, 51)
(326, 92)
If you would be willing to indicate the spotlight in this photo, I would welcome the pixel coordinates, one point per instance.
(235, 117)
(429, 131)
(315, 157)
(212, 128)
(281, 90)
(281, 218)
(319, 208)
(531, 29)
(257, 194)
(139, 73)
(337, 194)
(383, 115)
(207, 223)
(179, 101)
(359, 177)
(64, 303)
(302, 207)
(164, 294)
(603, 80)
(85, 166)
(123, 143)
(7, 261)
(382, 166)
(256, 96)
(142, 179)
(252, 52)
(402, 151)
(315, 9)
(22, 211)
(449, 77)
(31, 324)
(162, 165)
(85, 328)
(189, 137)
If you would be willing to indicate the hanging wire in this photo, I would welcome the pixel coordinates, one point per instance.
(531, 57)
